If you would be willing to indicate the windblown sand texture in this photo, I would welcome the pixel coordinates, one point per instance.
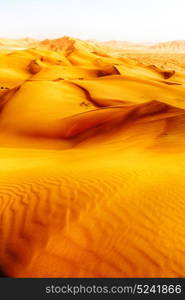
(92, 164)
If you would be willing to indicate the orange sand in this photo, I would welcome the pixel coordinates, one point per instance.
(92, 165)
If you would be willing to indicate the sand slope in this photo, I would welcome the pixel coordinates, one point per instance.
(92, 163)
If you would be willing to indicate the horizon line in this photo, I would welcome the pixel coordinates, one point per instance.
(91, 39)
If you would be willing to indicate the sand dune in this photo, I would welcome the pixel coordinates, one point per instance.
(92, 162)
(176, 46)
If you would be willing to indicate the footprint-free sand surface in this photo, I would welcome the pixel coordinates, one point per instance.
(92, 164)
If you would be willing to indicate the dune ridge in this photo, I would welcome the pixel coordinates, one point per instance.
(92, 160)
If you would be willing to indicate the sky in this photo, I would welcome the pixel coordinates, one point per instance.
(125, 20)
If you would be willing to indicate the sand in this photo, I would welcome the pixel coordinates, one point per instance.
(92, 164)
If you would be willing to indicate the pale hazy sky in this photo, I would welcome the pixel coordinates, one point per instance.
(127, 20)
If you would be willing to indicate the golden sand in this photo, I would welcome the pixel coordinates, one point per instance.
(92, 165)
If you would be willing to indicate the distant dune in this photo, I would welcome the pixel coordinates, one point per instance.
(7, 45)
(60, 43)
(176, 46)
(171, 46)
(92, 160)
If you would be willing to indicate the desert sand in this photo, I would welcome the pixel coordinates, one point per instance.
(92, 162)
